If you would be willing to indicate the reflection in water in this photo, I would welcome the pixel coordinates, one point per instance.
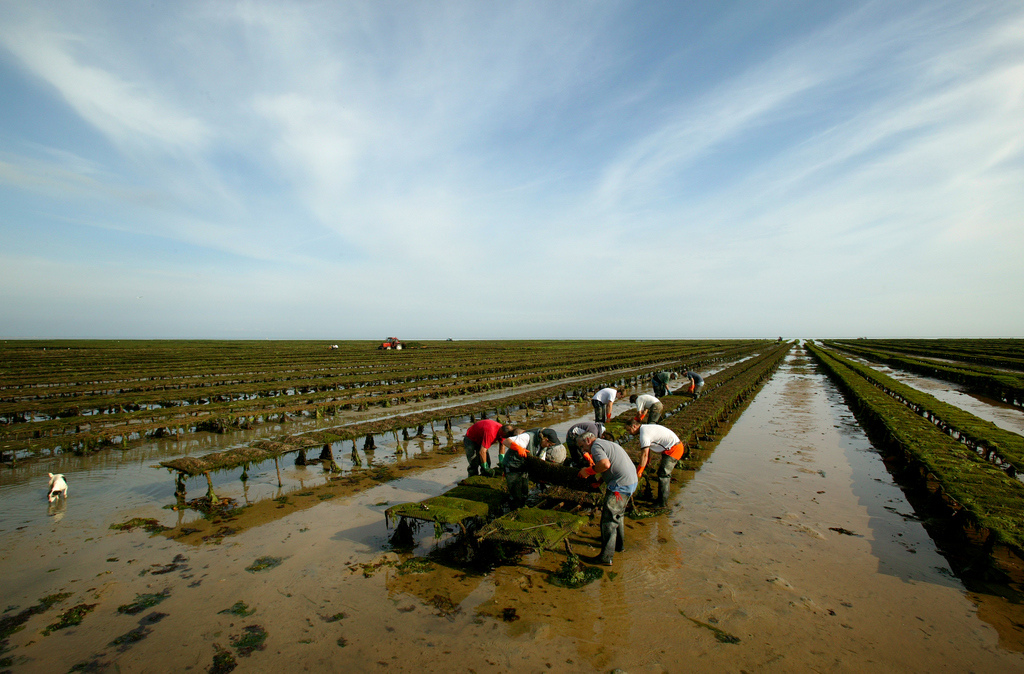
(1005, 416)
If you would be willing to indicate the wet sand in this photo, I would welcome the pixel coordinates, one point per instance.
(789, 550)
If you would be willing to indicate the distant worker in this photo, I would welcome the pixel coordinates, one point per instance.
(660, 382)
(660, 440)
(572, 436)
(695, 384)
(602, 402)
(513, 450)
(648, 408)
(616, 470)
(479, 438)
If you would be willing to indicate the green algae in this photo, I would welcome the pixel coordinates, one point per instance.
(574, 574)
(142, 602)
(70, 618)
(128, 639)
(264, 564)
(251, 639)
(149, 524)
(223, 662)
(240, 608)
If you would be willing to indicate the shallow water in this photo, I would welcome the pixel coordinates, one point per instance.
(1005, 416)
(751, 549)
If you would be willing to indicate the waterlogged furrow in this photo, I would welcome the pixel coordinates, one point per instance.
(987, 503)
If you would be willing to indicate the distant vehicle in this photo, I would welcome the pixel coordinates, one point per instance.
(391, 343)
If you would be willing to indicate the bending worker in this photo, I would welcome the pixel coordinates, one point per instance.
(648, 408)
(513, 451)
(695, 385)
(660, 440)
(479, 438)
(602, 402)
(660, 382)
(616, 470)
(572, 436)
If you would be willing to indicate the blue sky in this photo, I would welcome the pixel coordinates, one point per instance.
(354, 170)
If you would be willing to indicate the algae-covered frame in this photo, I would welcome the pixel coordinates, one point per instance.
(533, 527)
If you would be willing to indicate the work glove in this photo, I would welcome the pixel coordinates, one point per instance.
(519, 450)
(639, 473)
(590, 459)
(587, 472)
(608, 417)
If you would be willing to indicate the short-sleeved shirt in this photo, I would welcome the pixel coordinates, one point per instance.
(621, 475)
(645, 402)
(658, 438)
(484, 432)
(605, 395)
(528, 441)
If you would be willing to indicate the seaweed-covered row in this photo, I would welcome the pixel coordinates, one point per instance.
(986, 381)
(987, 503)
(1004, 448)
(198, 465)
(84, 433)
(1007, 354)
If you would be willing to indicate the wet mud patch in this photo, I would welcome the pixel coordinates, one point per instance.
(10, 624)
(130, 638)
(721, 636)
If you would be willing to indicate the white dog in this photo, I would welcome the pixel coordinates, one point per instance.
(58, 487)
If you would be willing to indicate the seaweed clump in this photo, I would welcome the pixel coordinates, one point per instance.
(240, 608)
(574, 574)
(251, 639)
(149, 524)
(142, 602)
(70, 618)
(264, 564)
(223, 662)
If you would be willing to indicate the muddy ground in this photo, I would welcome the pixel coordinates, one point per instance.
(789, 550)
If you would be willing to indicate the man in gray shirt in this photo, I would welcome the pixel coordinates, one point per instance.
(619, 475)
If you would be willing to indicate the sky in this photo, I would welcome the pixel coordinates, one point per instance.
(511, 170)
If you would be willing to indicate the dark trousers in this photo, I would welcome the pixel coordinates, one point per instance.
(665, 469)
(518, 487)
(613, 523)
(601, 411)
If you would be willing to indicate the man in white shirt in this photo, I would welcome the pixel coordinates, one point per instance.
(648, 408)
(602, 402)
(660, 440)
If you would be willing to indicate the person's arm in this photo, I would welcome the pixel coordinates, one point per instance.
(598, 468)
(643, 462)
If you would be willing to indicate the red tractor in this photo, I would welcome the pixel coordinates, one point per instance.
(391, 343)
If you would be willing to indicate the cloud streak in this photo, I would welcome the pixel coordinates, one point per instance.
(379, 164)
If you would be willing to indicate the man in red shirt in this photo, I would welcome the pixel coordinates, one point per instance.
(479, 438)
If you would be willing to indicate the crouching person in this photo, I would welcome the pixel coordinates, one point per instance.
(616, 470)
(659, 440)
(513, 452)
(477, 443)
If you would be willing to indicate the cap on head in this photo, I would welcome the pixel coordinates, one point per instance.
(550, 435)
